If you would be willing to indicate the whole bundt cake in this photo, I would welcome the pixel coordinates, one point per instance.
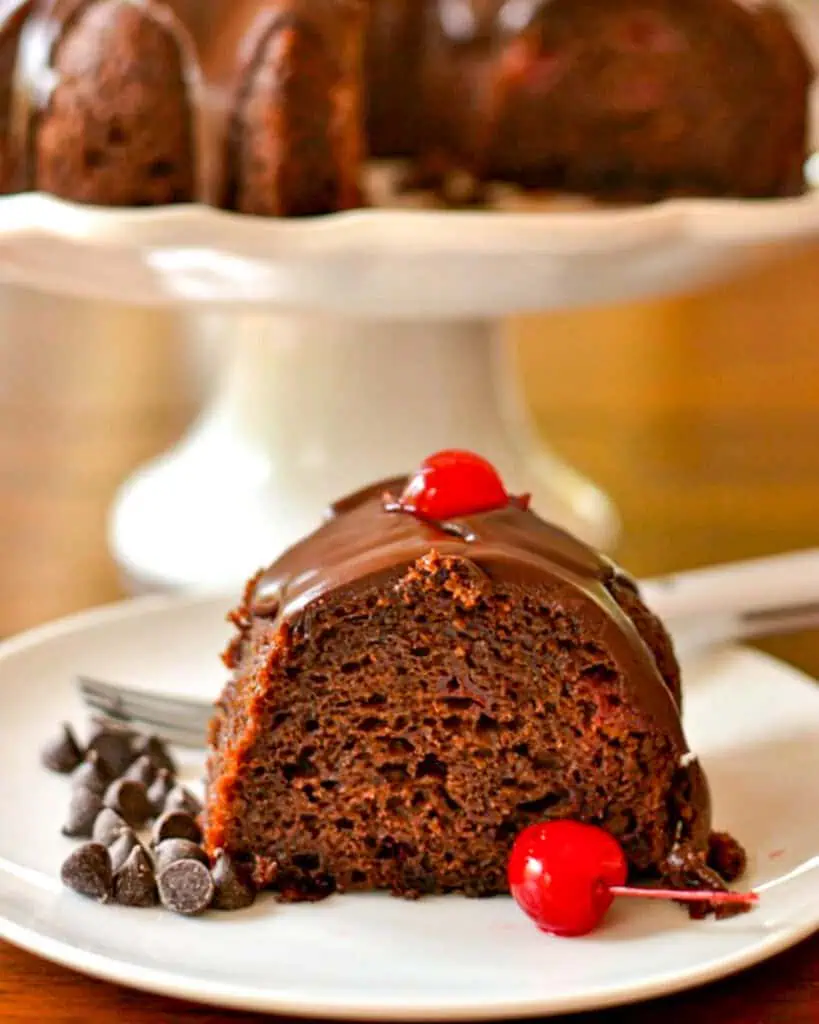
(416, 683)
(269, 106)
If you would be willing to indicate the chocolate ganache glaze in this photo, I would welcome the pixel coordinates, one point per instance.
(362, 543)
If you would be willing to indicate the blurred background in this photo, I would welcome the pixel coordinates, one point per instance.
(698, 414)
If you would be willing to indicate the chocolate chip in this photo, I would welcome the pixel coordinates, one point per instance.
(130, 800)
(233, 884)
(170, 850)
(181, 799)
(186, 887)
(142, 770)
(88, 871)
(108, 826)
(121, 848)
(176, 825)
(92, 774)
(115, 747)
(152, 747)
(82, 813)
(159, 789)
(135, 882)
(63, 753)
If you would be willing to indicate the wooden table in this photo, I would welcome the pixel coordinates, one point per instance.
(700, 415)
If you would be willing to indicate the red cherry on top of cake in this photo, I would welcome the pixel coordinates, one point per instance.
(565, 876)
(451, 484)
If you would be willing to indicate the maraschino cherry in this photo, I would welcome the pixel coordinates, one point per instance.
(565, 875)
(453, 483)
(561, 873)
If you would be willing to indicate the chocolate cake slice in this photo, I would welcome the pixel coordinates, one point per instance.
(409, 693)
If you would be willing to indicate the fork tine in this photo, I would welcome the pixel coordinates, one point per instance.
(112, 691)
(179, 720)
(121, 705)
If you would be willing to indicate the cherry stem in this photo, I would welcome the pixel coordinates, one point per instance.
(686, 895)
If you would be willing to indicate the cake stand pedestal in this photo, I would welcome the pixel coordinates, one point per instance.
(311, 407)
(354, 345)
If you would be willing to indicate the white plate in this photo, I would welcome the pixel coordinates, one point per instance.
(754, 721)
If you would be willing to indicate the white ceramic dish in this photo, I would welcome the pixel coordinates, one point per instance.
(755, 723)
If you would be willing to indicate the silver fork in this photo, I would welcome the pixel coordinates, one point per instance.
(179, 720)
(702, 607)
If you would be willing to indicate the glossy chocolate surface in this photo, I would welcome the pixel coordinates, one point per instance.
(361, 540)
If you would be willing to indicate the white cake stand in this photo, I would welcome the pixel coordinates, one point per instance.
(357, 344)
